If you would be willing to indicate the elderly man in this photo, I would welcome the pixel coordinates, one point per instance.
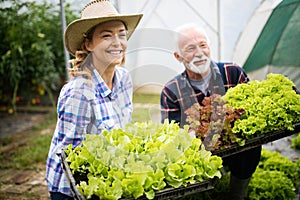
(203, 77)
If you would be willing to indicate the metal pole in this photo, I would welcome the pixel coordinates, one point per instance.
(117, 6)
(219, 30)
(63, 22)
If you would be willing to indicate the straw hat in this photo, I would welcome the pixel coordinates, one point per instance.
(95, 12)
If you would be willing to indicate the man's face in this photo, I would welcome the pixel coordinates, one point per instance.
(194, 52)
(193, 44)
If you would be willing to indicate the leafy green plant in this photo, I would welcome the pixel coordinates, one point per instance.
(276, 177)
(274, 161)
(270, 105)
(139, 160)
(32, 57)
(271, 185)
(36, 147)
(295, 143)
(245, 112)
(213, 122)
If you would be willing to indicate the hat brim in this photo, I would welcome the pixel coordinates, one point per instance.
(73, 36)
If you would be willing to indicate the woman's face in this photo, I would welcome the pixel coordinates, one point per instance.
(108, 44)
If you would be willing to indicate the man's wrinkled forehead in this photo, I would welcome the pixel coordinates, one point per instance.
(190, 38)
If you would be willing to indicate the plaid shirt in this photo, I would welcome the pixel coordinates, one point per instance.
(178, 94)
(87, 107)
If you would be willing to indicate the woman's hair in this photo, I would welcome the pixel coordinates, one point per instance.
(82, 61)
(80, 64)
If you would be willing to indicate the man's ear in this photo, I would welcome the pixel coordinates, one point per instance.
(178, 57)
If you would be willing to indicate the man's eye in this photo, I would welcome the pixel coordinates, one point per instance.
(191, 48)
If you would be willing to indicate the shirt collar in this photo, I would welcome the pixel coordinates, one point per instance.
(102, 87)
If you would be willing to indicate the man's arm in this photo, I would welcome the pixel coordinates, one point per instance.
(170, 108)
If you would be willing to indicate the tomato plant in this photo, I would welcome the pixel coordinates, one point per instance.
(31, 50)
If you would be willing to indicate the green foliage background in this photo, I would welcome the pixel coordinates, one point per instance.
(31, 50)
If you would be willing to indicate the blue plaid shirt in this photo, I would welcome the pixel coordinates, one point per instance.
(87, 107)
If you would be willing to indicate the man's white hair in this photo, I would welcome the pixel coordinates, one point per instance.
(181, 31)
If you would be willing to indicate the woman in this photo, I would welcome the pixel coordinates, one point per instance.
(99, 94)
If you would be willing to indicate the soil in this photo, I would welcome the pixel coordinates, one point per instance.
(16, 184)
(31, 184)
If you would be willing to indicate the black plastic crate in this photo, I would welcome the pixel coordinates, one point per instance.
(175, 193)
(167, 193)
(257, 141)
(76, 194)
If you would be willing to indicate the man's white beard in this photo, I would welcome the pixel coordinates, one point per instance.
(201, 69)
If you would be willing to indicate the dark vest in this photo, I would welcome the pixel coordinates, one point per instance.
(188, 94)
